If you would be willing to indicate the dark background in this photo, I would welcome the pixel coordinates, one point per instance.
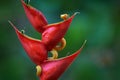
(98, 23)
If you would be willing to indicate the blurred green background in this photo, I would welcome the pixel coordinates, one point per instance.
(98, 23)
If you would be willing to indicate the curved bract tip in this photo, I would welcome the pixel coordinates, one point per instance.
(12, 24)
(36, 17)
(76, 13)
(53, 69)
(55, 32)
(35, 49)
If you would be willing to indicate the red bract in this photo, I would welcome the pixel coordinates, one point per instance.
(36, 18)
(55, 32)
(35, 49)
(52, 70)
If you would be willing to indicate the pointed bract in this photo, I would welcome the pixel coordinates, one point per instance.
(52, 70)
(55, 32)
(36, 17)
(35, 49)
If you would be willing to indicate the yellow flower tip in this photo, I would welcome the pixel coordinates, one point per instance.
(61, 46)
(57, 48)
(54, 55)
(23, 31)
(64, 16)
(39, 70)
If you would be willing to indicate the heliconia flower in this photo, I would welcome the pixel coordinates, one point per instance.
(51, 33)
(48, 68)
(35, 49)
(53, 69)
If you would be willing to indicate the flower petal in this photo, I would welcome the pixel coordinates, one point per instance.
(55, 32)
(36, 18)
(52, 70)
(35, 49)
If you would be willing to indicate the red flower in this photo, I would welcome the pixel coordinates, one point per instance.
(47, 68)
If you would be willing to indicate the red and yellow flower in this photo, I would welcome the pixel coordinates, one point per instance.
(48, 68)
